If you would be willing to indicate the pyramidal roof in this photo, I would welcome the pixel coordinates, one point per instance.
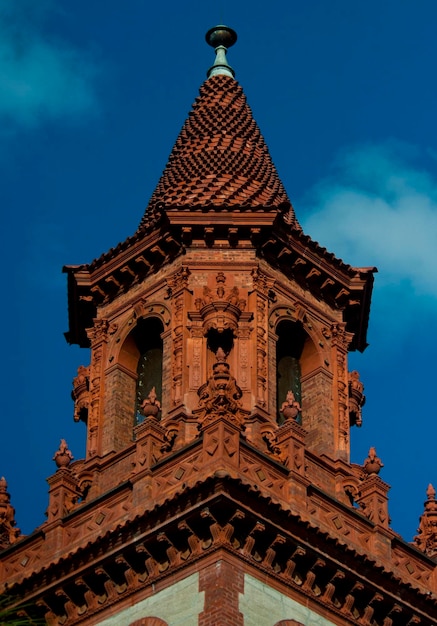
(220, 158)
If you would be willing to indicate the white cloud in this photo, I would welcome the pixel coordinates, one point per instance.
(379, 209)
(41, 77)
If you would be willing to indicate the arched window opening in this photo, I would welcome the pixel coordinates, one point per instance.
(149, 621)
(147, 337)
(289, 347)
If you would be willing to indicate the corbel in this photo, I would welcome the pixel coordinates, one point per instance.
(342, 296)
(233, 237)
(128, 571)
(111, 280)
(272, 550)
(98, 293)
(90, 598)
(187, 235)
(311, 575)
(249, 544)
(194, 543)
(327, 283)
(313, 275)
(299, 261)
(69, 606)
(396, 610)
(255, 235)
(172, 552)
(171, 241)
(141, 260)
(150, 564)
(292, 562)
(127, 270)
(331, 587)
(208, 235)
(366, 619)
(49, 615)
(285, 253)
(108, 585)
(350, 599)
(159, 253)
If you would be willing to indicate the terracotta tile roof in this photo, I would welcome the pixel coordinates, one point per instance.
(220, 157)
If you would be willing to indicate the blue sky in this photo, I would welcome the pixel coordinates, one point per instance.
(92, 97)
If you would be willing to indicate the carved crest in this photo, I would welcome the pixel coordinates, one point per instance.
(220, 395)
(220, 308)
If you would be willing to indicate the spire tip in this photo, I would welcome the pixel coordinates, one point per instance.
(221, 38)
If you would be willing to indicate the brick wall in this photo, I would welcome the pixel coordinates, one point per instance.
(222, 584)
(119, 409)
(317, 417)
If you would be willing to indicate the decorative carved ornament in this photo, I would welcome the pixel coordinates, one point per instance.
(9, 533)
(220, 308)
(290, 408)
(220, 395)
(373, 464)
(151, 406)
(152, 556)
(144, 308)
(63, 456)
(100, 331)
(178, 281)
(426, 539)
(263, 283)
(81, 393)
(356, 398)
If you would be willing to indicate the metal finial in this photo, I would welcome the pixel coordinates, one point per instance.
(221, 38)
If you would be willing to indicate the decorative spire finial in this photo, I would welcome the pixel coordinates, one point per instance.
(426, 539)
(221, 38)
(63, 455)
(9, 533)
(373, 464)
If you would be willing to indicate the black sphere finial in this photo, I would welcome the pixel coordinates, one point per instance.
(221, 36)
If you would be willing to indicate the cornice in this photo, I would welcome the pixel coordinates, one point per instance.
(223, 513)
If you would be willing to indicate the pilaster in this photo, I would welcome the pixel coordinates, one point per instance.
(98, 442)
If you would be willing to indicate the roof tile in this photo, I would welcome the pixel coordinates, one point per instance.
(220, 157)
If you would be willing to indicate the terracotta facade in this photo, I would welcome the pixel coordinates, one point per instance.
(218, 403)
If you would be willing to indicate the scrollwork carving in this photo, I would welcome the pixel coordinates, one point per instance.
(81, 393)
(356, 398)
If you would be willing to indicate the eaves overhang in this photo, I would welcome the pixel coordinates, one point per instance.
(328, 278)
(175, 228)
(228, 514)
(113, 273)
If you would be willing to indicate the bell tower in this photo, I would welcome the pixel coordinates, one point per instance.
(217, 487)
(219, 262)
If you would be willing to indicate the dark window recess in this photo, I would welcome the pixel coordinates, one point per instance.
(291, 340)
(147, 336)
